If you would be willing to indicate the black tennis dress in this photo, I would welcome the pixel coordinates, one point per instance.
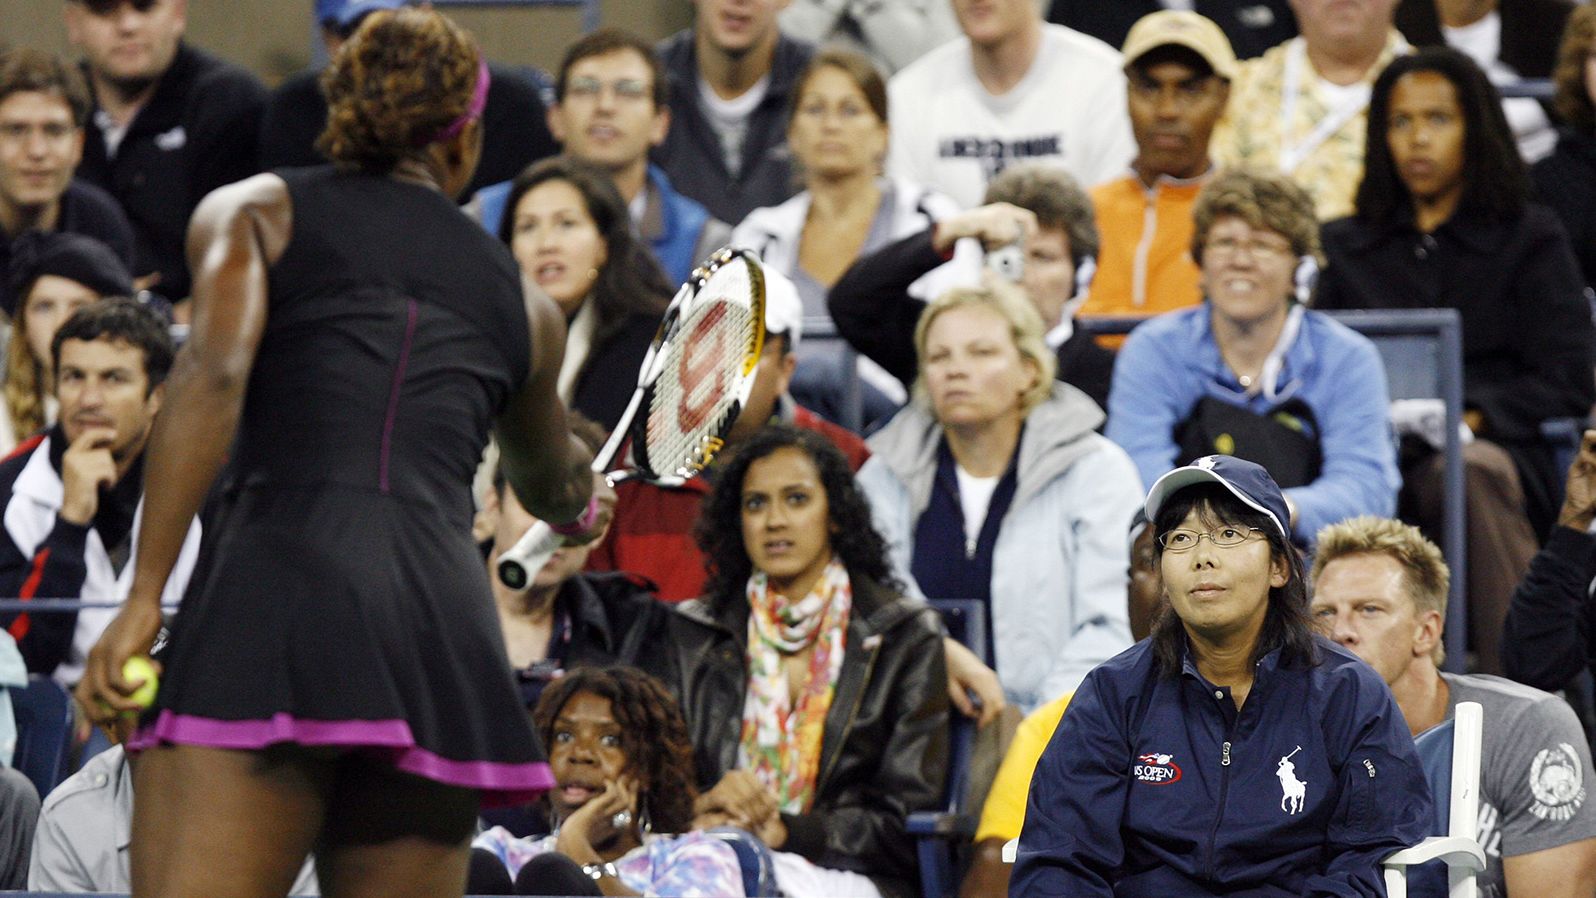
(339, 599)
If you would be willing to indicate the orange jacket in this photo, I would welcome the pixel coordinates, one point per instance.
(1144, 266)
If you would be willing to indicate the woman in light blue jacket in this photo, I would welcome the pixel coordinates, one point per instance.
(993, 485)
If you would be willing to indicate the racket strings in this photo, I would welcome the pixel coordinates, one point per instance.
(696, 391)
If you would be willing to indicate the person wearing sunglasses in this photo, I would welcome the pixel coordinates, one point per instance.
(170, 123)
(1234, 751)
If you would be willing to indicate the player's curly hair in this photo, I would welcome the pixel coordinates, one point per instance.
(653, 736)
(403, 77)
(854, 539)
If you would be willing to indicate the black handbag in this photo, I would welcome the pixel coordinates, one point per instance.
(1284, 440)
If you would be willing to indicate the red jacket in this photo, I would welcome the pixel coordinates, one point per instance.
(652, 532)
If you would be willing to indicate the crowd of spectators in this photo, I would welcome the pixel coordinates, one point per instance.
(952, 197)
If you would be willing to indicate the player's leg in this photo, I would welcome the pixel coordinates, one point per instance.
(390, 834)
(225, 823)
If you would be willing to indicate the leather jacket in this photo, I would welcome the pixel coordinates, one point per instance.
(885, 749)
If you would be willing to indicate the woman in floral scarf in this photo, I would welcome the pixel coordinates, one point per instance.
(815, 692)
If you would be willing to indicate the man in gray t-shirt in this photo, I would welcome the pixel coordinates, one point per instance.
(1380, 591)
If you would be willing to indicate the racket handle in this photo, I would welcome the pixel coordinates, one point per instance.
(522, 561)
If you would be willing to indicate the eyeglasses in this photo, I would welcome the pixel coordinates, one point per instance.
(1256, 247)
(586, 88)
(1224, 537)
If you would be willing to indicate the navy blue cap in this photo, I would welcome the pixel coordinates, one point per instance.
(344, 14)
(1246, 481)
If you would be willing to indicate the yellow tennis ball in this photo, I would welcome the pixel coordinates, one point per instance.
(138, 668)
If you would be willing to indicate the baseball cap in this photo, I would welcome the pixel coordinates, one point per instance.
(1182, 28)
(345, 14)
(1248, 482)
(784, 311)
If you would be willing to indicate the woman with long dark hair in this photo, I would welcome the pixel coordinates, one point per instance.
(1234, 751)
(1444, 220)
(337, 683)
(569, 231)
(815, 692)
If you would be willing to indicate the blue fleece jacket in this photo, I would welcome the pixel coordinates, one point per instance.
(1155, 785)
(1171, 362)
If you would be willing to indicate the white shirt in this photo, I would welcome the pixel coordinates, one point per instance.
(729, 118)
(1482, 42)
(950, 134)
(975, 497)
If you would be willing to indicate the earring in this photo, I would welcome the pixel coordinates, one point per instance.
(643, 822)
(592, 274)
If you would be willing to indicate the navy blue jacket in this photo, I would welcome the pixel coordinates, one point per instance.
(1155, 785)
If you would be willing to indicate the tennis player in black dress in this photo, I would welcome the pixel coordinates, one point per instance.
(337, 682)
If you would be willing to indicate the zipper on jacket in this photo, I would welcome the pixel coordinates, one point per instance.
(1219, 813)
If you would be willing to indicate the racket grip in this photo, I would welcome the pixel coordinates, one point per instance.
(522, 561)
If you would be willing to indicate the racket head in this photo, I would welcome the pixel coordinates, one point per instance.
(704, 362)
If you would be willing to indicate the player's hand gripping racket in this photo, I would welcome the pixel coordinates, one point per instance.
(694, 381)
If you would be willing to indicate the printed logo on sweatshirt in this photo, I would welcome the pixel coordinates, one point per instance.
(1156, 769)
(1557, 780)
(996, 155)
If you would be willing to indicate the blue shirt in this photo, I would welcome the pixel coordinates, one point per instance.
(1155, 785)
(1171, 362)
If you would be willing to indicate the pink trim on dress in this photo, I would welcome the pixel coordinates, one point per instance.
(500, 782)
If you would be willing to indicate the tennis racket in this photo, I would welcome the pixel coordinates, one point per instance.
(693, 383)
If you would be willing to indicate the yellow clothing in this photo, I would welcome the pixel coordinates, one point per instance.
(1250, 135)
(1144, 266)
(1004, 811)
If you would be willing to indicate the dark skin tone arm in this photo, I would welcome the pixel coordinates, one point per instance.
(235, 236)
(988, 874)
(552, 489)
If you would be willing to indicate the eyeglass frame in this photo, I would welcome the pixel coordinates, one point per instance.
(1256, 249)
(629, 90)
(1199, 534)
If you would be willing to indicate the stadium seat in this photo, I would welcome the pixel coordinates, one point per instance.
(1451, 757)
(941, 835)
(759, 871)
(44, 732)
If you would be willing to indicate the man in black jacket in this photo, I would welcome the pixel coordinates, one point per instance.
(171, 123)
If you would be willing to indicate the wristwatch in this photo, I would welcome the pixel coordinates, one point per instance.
(599, 871)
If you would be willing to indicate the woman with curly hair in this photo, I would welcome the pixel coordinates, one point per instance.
(336, 681)
(814, 691)
(623, 772)
(570, 232)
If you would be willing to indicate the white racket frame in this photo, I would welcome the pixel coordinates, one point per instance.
(520, 563)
